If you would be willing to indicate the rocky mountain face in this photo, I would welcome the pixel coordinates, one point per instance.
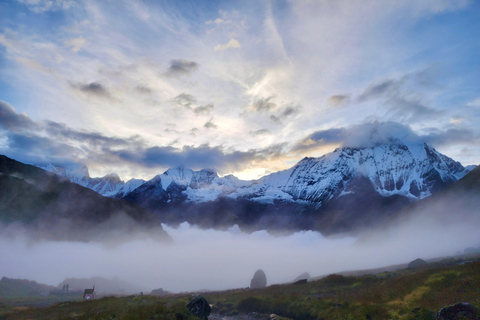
(347, 189)
(457, 207)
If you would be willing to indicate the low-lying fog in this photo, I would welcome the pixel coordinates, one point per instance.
(209, 259)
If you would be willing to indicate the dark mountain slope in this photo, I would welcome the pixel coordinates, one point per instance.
(456, 209)
(52, 207)
(462, 196)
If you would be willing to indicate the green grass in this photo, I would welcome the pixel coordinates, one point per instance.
(406, 294)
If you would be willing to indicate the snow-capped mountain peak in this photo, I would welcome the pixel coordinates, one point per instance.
(109, 186)
(413, 170)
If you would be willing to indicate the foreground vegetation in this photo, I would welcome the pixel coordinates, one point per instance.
(406, 294)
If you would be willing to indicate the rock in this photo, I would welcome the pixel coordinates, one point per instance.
(159, 292)
(304, 275)
(417, 263)
(259, 280)
(302, 281)
(458, 311)
(200, 307)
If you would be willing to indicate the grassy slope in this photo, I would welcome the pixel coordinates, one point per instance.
(405, 294)
(11, 288)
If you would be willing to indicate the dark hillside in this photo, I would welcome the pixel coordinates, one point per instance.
(52, 207)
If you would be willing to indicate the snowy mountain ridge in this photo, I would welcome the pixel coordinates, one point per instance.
(108, 186)
(414, 171)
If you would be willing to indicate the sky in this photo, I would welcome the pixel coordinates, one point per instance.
(241, 87)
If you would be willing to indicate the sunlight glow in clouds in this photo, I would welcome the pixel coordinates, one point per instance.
(244, 81)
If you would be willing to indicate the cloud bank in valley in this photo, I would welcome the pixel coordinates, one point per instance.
(209, 259)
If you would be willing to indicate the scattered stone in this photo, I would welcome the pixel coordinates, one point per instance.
(200, 307)
(259, 280)
(304, 275)
(463, 310)
(303, 281)
(417, 263)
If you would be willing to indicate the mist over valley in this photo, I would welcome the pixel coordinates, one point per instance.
(185, 257)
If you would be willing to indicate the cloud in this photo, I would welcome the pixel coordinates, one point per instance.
(404, 98)
(93, 139)
(210, 125)
(263, 104)
(184, 100)
(13, 121)
(339, 100)
(92, 89)
(358, 136)
(218, 21)
(143, 89)
(378, 90)
(206, 109)
(233, 43)
(52, 142)
(260, 132)
(180, 67)
(45, 141)
(34, 65)
(474, 103)
(200, 157)
(75, 43)
(374, 133)
(285, 113)
(334, 136)
(409, 110)
(234, 256)
(457, 120)
(451, 136)
(275, 119)
(40, 6)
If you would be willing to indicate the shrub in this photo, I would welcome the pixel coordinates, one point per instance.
(253, 304)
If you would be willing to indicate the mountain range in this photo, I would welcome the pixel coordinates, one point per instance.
(51, 207)
(347, 190)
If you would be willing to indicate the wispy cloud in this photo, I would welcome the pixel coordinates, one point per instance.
(233, 44)
(76, 44)
(92, 89)
(180, 67)
(133, 68)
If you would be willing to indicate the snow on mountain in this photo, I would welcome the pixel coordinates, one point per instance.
(414, 171)
(196, 186)
(108, 186)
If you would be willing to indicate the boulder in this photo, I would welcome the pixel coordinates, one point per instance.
(302, 281)
(200, 307)
(458, 311)
(417, 263)
(259, 280)
(304, 275)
